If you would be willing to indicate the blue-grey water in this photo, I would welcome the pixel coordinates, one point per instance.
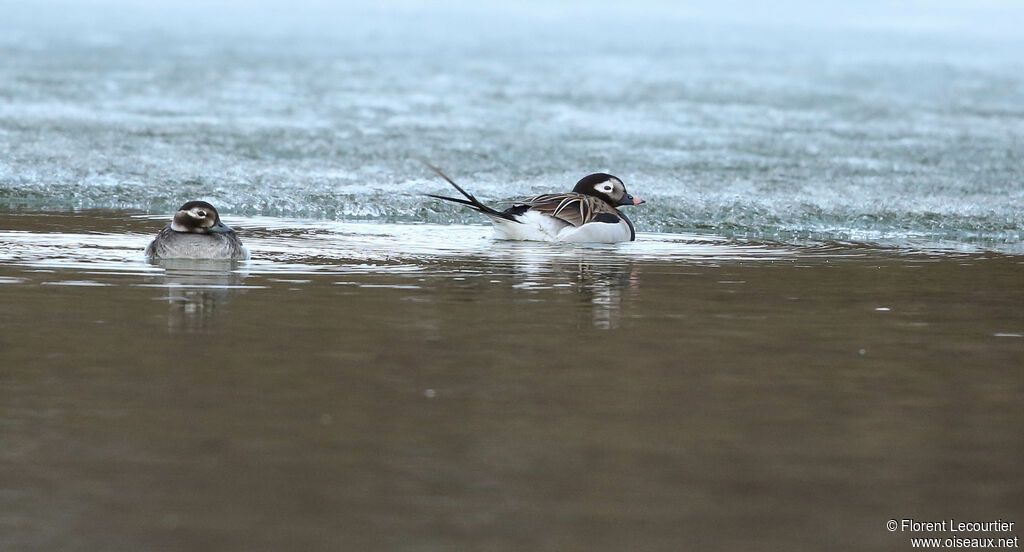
(824, 131)
(818, 329)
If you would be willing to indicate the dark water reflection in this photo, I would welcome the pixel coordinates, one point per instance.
(365, 388)
(197, 289)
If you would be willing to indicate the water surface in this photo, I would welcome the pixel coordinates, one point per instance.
(818, 329)
(371, 386)
(829, 130)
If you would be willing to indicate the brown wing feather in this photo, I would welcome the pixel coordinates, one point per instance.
(576, 209)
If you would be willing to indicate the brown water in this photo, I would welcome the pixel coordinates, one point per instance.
(418, 387)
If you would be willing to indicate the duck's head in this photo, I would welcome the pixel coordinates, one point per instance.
(606, 187)
(198, 217)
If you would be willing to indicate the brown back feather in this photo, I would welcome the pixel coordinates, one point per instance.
(576, 209)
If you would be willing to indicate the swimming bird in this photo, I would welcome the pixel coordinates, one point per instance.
(586, 214)
(196, 232)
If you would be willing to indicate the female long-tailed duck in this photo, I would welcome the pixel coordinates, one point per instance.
(196, 232)
(586, 214)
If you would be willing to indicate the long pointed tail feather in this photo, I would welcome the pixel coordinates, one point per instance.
(471, 201)
(452, 199)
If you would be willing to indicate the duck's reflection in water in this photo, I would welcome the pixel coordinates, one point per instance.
(601, 284)
(603, 288)
(197, 289)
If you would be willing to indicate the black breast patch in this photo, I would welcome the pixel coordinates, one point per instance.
(606, 217)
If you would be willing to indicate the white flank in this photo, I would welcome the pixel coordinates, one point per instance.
(596, 232)
(536, 226)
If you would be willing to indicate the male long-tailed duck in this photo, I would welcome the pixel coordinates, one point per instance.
(586, 214)
(196, 232)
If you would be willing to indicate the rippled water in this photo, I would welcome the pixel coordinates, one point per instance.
(909, 138)
(818, 329)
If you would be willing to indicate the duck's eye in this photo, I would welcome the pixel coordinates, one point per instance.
(201, 213)
(606, 189)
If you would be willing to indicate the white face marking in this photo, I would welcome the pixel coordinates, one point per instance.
(612, 188)
(196, 219)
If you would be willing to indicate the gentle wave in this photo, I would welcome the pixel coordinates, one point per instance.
(911, 140)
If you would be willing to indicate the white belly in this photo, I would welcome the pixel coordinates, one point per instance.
(597, 232)
(535, 226)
